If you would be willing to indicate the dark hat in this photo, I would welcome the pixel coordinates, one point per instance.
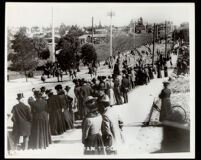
(93, 80)
(101, 86)
(20, 96)
(104, 77)
(67, 88)
(109, 77)
(99, 78)
(83, 81)
(48, 91)
(75, 81)
(58, 87)
(166, 83)
(43, 88)
(91, 103)
(37, 93)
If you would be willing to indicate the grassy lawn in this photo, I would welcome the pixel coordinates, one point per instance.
(180, 88)
(16, 75)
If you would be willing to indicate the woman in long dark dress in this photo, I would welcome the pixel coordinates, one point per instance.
(40, 137)
(65, 110)
(91, 129)
(166, 103)
(57, 122)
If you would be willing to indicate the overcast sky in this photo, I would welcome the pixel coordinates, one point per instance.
(30, 14)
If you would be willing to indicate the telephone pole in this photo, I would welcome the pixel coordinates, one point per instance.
(111, 14)
(53, 43)
(165, 39)
(92, 30)
(134, 35)
(153, 44)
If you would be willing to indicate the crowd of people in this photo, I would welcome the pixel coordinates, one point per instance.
(183, 60)
(53, 114)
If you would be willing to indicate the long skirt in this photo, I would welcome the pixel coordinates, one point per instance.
(159, 73)
(165, 109)
(94, 145)
(57, 123)
(151, 75)
(40, 137)
(68, 119)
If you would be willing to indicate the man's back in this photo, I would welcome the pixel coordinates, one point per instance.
(21, 119)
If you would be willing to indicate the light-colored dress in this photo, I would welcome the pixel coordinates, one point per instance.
(111, 93)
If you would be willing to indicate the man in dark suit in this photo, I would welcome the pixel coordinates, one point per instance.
(85, 91)
(21, 121)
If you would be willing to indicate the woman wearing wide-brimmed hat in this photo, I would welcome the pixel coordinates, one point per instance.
(165, 101)
(40, 137)
(91, 129)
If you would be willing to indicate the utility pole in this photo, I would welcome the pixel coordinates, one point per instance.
(165, 39)
(153, 44)
(92, 30)
(53, 43)
(134, 35)
(157, 31)
(111, 14)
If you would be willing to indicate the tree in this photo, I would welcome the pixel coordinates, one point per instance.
(181, 34)
(75, 31)
(62, 29)
(88, 53)
(69, 47)
(25, 56)
(122, 42)
(41, 46)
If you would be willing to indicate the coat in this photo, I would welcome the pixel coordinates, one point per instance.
(56, 120)
(111, 127)
(166, 103)
(125, 85)
(91, 133)
(40, 132)
(21, 120)
(85, 91)
(64, 105)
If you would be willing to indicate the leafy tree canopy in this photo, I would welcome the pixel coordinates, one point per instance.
(41, 46)
(25, 56)
(88, 53)
(68, 46)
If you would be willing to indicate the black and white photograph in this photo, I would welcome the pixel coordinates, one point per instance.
(99, 80)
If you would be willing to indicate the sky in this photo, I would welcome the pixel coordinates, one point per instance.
(40, 14)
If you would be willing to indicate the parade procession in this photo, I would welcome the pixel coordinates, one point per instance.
(83, 92)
